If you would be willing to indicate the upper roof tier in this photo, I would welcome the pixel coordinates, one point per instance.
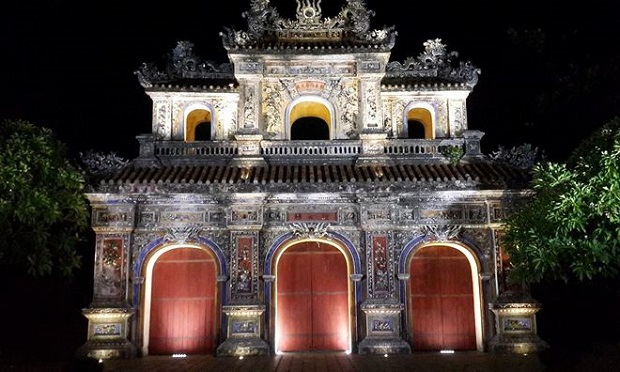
(434, 68)
(268, 31)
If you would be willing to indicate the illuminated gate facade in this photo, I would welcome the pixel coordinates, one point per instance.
(230, 234)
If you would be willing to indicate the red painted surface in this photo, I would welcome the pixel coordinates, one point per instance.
(183, 303)
(312, 299)
(441, 302)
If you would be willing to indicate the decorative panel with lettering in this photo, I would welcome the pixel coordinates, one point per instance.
(380, 265)
(244, 271)
(109, 271)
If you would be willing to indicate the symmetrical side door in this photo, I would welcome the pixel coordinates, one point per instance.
(183, 313)
(440, 301)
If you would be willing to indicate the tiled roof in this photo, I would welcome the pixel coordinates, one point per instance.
(479, 174)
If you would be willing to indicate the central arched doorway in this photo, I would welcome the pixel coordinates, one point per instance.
(443, 299)
(181, 302)
(313, 298)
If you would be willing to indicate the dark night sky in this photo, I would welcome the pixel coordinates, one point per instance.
(70, 67)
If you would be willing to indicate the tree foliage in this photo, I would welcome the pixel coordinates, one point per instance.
(42, 207)
(571, 227)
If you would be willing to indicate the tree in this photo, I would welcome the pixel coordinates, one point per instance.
(571, 227)
(42, 207)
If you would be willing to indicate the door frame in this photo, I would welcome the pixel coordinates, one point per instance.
(271, 267)
(475, 269)
(148, 288)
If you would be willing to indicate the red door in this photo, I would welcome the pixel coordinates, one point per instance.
(441, 301)
(183, 303)
(312, 299)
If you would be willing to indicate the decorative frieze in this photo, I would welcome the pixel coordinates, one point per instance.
(112, 218)
(245, 217)
(285, 69)
(293, 216)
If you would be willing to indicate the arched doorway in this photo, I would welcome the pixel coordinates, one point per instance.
(313, 298)
(419, 123)
(442, 300)
(309, 128)
(181, 302)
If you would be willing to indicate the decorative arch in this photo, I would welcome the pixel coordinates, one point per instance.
(311, 106)
(422, 113)
(334, 240)
(199, 123)
(472, 255)
(143, 268)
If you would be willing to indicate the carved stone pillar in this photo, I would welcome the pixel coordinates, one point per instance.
(108, 315)
(515, 321)
(373, 145)
(472, 143)
(383, 329)
(249, 151)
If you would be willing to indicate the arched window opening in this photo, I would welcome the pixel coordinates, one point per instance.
(310, 120)
(198, 126)
(419, 124)
(309, 128)
(203, 131)
(415, 130)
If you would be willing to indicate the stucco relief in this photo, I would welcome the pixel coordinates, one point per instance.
(371, 109)
(226, 117)
(483, 239)
(457, 118)
(388, 120)
(346, 94)
(273, 107)
(249, 108)
(398, 113)
(162, 119)
(178, 132)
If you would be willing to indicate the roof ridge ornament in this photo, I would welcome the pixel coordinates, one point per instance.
(183, 63)
(435, 61)
(351, 24)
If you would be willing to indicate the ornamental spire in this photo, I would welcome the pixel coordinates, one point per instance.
(350, 26)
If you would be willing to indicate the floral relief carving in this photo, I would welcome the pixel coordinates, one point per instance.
(109, 270)
(346, 97)
(272, 109)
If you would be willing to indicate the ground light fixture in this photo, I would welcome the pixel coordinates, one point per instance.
(179, 355)
(446, 351)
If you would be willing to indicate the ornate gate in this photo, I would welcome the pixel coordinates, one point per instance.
(312, 299)
(441, 300)
(183, 314)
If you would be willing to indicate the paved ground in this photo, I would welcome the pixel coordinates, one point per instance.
(333, 362)
(603, 358)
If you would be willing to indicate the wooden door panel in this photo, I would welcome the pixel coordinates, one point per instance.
(312, 299)
(182, 318)
(328, 270)
(294, 267)
(441, 309)
(458, 334)
(295, 322)
(426, 322)
(458, 282)
(330, 321)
